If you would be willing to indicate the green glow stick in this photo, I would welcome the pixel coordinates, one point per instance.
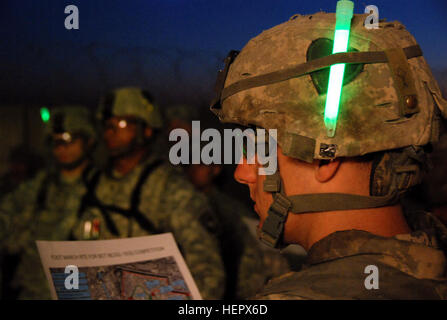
(344, 13)
(45, 114)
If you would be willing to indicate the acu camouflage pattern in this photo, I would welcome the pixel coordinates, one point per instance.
(171, 203)
(22, 223)
(183, 112)
(411, 266)
(72, 118)
(369, 118)
(131, 101)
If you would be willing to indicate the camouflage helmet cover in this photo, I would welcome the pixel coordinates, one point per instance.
(371, 117)
(133, 102)
(74, 119)
(181, 112)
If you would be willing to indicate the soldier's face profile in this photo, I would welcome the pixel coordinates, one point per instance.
(297, 178)
(248, 174)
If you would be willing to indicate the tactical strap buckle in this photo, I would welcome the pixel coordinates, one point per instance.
(273, 226)
(272, 183)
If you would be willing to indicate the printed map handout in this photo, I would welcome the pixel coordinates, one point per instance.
(143, 268)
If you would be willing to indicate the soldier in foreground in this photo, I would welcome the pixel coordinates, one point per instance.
(139, 194)
(247, 265)
(338, 195)
(46, 207)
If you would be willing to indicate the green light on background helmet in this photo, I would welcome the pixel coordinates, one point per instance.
(344, 13)
(45, 114)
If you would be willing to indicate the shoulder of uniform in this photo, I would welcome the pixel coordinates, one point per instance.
(35, 182)
(178, 190)
(25, 193)
(169, 176)
(290, 287)
(278, 288)
(159, 175)
(279, 296)
(40, 176)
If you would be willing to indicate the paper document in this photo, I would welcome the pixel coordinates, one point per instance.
(143, 268)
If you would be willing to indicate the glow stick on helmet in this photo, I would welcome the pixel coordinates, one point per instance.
(344, 13)
(45, 114)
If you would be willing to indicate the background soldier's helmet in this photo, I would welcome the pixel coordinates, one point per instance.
(181, 112)
(133, 102)
(72, 119)
(390, 104)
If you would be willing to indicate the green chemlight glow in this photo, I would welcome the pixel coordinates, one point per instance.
(45, 114)
(344, 13)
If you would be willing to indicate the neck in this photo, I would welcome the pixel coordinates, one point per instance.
(385, 222)
(75, 172)
(127, 163)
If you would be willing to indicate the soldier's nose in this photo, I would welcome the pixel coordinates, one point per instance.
(245, 173)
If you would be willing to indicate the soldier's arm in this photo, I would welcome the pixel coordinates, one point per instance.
(16, 210)
(13, 219)
(180, 209)
(200, 248)
(195, 229)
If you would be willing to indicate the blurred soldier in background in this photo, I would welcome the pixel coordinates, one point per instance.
(46, 207)
(180, 116)
(436, 182)
(140, 194)
(338, 195)
(247, 265)
(432, 194)
(23, 165)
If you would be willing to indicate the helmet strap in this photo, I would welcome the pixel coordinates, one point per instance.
(272, 230)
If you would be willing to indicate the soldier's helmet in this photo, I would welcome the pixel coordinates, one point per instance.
(130, 102)
(390, 103)
(181, 112)
(70, 120)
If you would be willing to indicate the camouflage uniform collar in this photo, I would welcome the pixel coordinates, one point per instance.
(57, 178)
(415, 254)
(64, 180)
(147, 160)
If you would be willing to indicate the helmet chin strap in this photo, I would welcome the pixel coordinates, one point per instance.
(272, 230)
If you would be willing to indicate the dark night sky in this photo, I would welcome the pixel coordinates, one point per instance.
(173, 47)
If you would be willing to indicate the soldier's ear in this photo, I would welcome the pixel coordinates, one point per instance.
(326, 170)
